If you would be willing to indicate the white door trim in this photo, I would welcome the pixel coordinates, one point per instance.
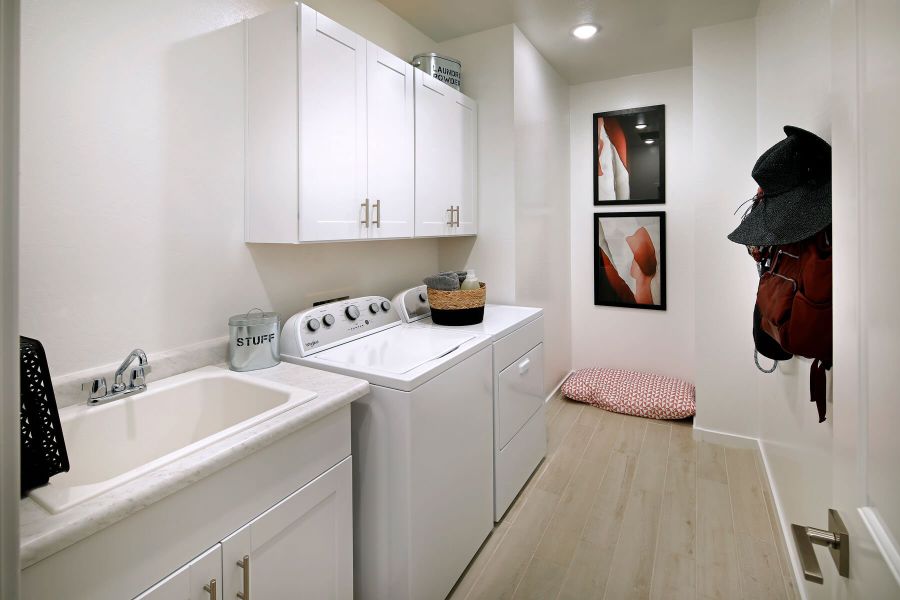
(9, 323)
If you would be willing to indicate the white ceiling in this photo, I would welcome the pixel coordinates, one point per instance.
(636, 36)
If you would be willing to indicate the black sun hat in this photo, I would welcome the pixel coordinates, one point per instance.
(794, 177)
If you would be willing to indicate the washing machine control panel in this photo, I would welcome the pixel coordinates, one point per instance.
(328, 325)
(413, 304)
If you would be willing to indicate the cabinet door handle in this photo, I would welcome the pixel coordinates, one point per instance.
(450, 222)
(524, 365)
(211, 588)
(457, 216)
(365, 205)
(378, 213)
(245, 565)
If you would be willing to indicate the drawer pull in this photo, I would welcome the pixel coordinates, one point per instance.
(211, 588)
(245, 565)
(524, 365)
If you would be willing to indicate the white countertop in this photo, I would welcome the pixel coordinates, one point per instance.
(43, 533)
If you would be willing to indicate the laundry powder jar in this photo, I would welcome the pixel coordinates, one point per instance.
(254, 340)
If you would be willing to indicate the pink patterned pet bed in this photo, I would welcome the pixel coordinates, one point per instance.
(632, 393)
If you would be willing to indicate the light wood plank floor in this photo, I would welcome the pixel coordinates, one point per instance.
(623, 508)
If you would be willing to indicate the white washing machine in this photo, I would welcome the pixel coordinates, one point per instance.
(520, 430)
(422, 442)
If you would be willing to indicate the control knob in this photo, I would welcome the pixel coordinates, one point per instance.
(385, 305)
(373, 308)
(352, 312)
(423, 297)
(312, 324)
(328, 320)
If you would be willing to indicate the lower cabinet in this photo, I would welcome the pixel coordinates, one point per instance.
(197, 580)
(300, 548)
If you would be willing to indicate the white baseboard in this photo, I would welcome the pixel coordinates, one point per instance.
(785, 526)
(556, 388)
(732, 440)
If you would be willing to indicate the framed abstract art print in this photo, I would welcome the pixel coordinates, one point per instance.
(629, 164)
(630, 259)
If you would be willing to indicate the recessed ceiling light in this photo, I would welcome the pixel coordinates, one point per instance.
(585, 32)
(648, 141)
(641, 126)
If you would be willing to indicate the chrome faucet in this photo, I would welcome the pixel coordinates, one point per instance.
(137, 380)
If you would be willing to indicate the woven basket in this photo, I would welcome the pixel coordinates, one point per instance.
(457, 307)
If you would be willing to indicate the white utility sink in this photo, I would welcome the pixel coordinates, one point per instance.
(111, 444)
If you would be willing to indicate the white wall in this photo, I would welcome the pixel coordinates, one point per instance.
(522, 248)
(793, 87)
(541, 108)
(487, 73)
(724, 88)
(646, 340)
(132, 180)
(750, 79)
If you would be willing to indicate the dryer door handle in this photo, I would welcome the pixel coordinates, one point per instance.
(524, 366)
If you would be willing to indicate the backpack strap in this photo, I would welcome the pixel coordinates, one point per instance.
(817, 386)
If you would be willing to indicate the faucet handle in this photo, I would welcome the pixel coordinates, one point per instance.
(95, 388)
(139, 375)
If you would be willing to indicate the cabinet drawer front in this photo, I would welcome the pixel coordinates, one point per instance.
(520, 393)
(518, 460)
(517, 343)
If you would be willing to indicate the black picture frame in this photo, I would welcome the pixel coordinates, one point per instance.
(655, 114)
(604, 289)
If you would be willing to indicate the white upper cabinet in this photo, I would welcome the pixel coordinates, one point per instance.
(332, 130)
(446, 176)
(336, 138)
(391, 115)
(306, 128)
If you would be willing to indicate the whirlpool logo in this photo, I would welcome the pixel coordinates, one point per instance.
(255, 340)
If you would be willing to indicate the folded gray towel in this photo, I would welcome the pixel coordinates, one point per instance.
(461, 275)
(447, 283)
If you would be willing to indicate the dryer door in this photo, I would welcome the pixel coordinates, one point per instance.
(520, 393)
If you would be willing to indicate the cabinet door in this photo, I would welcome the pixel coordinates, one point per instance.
(446, 177)
(391, 116)
(300, 548)
(195, 581)
(435, 163)
(332, 130)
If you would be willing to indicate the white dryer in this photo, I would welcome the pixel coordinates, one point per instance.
(421, 441)
(520, 430)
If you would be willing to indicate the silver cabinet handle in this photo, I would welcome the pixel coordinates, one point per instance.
(457, 216)
(211, 588)
(450, 222)
(378, 213)
(835, 538)
(365, 205)
(245, 565)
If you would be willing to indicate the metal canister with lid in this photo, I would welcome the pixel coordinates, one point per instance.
(442, 68)
(254, 340)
